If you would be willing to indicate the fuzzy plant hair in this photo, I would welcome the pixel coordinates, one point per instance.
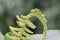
(23, 33)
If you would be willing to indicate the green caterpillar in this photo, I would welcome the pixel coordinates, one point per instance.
(23, 33)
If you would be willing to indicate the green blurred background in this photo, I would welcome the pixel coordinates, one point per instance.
(10, 8)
